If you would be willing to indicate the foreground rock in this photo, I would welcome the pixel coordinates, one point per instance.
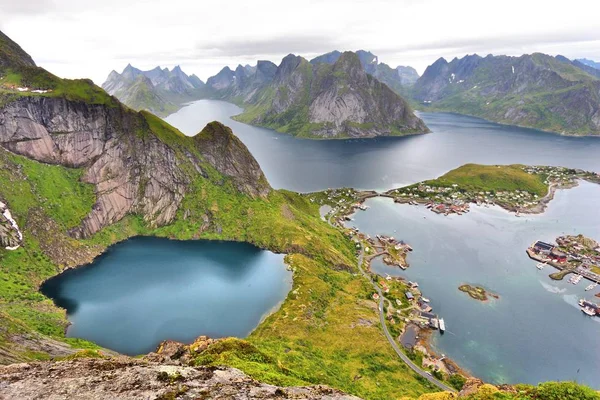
(127, 378)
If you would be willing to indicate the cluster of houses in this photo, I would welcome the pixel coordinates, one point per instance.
(549, 251)
(562, 175)
(451, 199)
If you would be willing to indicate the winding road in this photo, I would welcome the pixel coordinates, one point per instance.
(386, 331)
(389, 337)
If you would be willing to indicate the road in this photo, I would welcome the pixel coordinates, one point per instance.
(386, 331)
(389, 337)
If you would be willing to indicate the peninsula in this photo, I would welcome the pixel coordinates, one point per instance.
(516, 188)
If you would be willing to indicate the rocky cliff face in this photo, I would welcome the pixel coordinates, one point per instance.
(223, 150)
(132, 169)
(331, 101)
(10, 234)
(131, 174)
(540, 91)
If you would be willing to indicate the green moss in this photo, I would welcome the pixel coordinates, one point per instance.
(38, 78)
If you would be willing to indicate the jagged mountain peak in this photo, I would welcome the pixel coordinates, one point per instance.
(166, 90)
(230, 156)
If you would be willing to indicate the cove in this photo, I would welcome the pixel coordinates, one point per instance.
(535, 332)
(145, 290)
(305, 165)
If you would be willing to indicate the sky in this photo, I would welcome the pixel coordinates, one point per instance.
(82, 38)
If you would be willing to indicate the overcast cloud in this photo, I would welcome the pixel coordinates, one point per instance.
(80, 38)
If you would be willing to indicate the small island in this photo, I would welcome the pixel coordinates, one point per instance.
(477, 292)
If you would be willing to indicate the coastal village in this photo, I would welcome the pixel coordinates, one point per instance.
(453, 198)
(576, 255)
(409, 316)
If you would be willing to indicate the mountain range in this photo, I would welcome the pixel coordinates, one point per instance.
(329, 97)
(589, 63)
(79, 172)
(160, 90)
(534, 90)
(396, 78)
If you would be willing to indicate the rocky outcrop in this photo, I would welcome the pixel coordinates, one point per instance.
(126, 378)
(10, 234)
(134, 171)
(534, 90)
(322, 98)
(224, 151)
(358, 105)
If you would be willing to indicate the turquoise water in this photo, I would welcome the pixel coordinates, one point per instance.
(146, 290)
(535, 331)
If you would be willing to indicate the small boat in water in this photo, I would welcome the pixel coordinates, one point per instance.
(590, 287)
(575, 279)
(541, 265)
(588, 311)
(425, 299)
(442, 325)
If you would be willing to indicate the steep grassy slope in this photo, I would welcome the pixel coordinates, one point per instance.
(212, 189)
(539, 91)
(493, 178)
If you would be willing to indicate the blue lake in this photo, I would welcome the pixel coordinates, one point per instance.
(145, 290)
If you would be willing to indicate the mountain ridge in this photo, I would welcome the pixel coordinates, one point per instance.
(533, 90)
(317, 100)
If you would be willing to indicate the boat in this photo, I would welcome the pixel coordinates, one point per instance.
(590, 287)
(541, 265)
(425, 299)
(588, 311)
(442, 324)
(575, 279)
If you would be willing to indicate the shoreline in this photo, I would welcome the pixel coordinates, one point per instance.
(426, 340)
